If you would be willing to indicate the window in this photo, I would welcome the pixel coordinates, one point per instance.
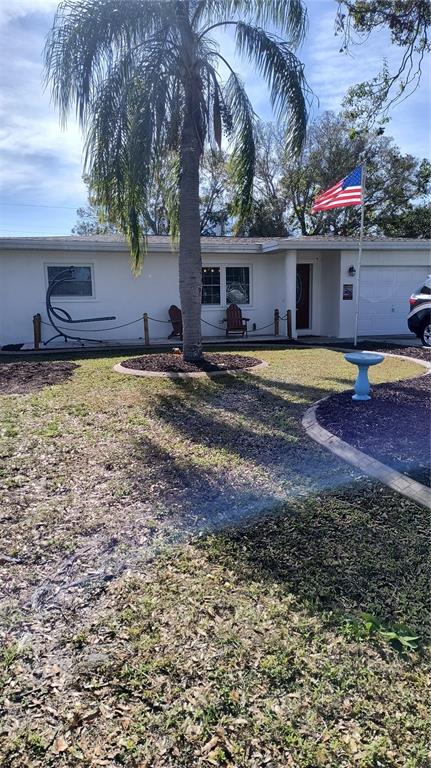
(76, 282)
(237, 285)
(225, 285)
(211, 285)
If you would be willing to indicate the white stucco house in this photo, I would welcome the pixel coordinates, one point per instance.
(314, 277)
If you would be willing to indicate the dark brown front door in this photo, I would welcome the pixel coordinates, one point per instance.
(303, 279)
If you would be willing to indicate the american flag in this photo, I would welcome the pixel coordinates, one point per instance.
(346, 192)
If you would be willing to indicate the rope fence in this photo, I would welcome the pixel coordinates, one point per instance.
(112, 327)
(38, 322)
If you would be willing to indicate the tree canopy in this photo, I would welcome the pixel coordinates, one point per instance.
(126, 70)
(408, 22)
(398, 184)
(398, 187)
(215, 202)
(144, 77)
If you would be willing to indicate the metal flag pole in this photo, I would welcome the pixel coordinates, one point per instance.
(361, 236)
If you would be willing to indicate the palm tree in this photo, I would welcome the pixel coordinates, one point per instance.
(144, 78)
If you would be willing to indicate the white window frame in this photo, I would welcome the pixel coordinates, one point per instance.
(222, 267)
(72, 263)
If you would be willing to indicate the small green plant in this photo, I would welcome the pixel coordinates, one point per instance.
(80, 639)
(52, 429)
(366, 627)
(10, 431)
(9, 654)
(36, 743)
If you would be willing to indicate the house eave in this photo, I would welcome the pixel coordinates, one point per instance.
(39, 244)
(216, 246)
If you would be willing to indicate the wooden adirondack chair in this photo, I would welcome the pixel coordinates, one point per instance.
(235, 322)
(176, 318)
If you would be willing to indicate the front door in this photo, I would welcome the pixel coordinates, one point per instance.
(303, 281)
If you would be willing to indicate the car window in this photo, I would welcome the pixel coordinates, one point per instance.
(425, 288)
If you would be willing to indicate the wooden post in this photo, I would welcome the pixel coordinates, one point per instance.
(289, 323)
(146, 332)
(276, 322)
(37, 330)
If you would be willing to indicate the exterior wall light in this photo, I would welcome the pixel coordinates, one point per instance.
(352, 271)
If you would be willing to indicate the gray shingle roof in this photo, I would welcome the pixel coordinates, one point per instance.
(243, 240)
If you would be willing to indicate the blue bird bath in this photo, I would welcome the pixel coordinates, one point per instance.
(363, 360)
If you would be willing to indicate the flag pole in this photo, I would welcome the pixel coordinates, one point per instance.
(361, 236)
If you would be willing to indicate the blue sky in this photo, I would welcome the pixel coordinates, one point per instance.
(41, 164)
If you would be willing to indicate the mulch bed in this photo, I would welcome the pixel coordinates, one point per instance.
(422, 353)
(21, 377)
(393, 427)
(168, 362)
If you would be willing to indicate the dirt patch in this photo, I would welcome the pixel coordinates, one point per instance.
(168, 362)
(390, 427)
(21, 377)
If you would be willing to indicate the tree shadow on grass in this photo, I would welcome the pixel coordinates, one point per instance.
(225, 456)
(353, 550)
(232, 452)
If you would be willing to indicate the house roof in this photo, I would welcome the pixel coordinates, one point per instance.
(212, 244)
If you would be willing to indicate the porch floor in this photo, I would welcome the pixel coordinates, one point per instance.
(120, 344)
(251, 341)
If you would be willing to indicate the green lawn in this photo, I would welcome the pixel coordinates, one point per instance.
(191, 576)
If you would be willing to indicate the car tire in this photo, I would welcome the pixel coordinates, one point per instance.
(426, 333)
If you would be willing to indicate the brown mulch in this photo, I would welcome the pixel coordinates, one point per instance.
(23, 376)
(393, 427)
(422, 353)
(168, 362)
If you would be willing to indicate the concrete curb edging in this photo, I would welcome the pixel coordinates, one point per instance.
(395, 480)
(118, 368)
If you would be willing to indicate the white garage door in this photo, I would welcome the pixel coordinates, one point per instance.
(384, 298)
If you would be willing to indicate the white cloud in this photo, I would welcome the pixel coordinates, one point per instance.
(17, 8)
(39, 160)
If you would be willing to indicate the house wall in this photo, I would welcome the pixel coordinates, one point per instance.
(23, 285)
(267, 290)
(330, 293)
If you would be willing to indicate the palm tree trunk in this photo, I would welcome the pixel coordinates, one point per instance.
(190, 259)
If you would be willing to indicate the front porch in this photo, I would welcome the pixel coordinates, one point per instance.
(139, 344)
(252, 341)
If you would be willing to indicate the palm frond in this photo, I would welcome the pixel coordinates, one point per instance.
(215, 105)
(86, 36)
(243, 156)
(289, 16)
(172, 200)
(285, 77)
(128, 133)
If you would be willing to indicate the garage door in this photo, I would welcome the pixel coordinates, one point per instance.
(384, 295)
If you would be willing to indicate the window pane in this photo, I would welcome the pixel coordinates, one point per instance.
(211, 285)
(237, 285)
(77, 283)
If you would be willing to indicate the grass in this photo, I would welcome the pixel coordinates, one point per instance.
(198, 584)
